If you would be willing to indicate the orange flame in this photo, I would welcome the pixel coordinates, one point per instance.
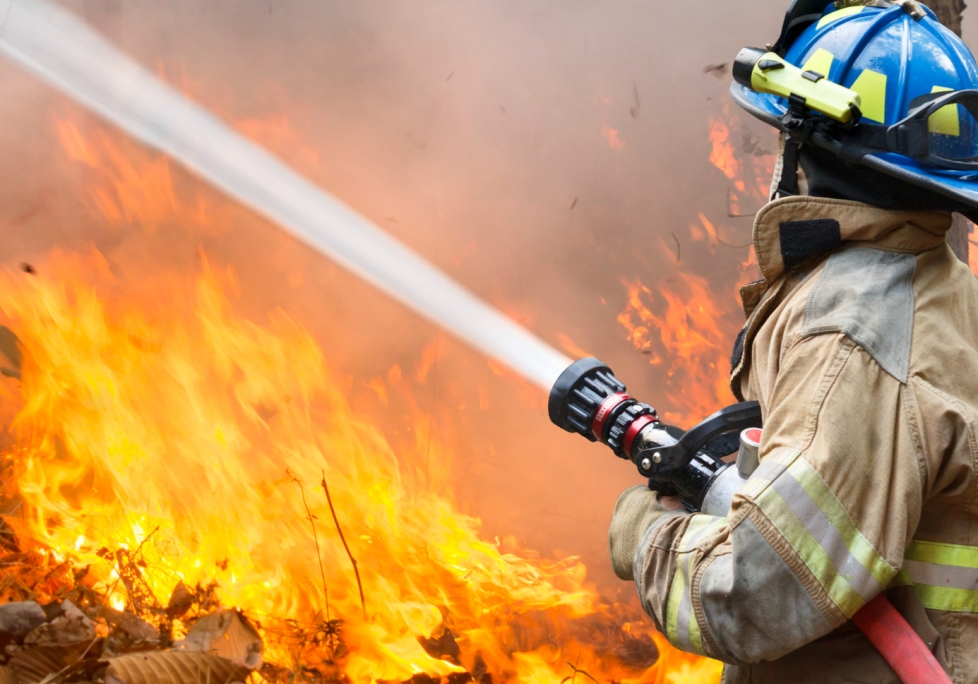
(686, 327)
(749, 167)
(722, 155)
(155, 417)
(690, 338)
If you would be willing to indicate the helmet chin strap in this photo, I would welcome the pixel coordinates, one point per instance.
(788, 179)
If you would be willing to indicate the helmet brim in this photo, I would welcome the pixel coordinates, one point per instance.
(958, 185)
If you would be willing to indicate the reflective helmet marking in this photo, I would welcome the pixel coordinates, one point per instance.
(820, 62)
(839, 14)
(871, 86)
(946, 120)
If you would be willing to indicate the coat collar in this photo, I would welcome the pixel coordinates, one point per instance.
(792, 230)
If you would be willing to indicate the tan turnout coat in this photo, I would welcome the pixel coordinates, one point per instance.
(861, 346)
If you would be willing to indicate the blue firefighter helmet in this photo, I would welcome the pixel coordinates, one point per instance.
(913, 87)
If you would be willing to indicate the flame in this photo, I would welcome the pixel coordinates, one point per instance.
(571, 347)
(722, 154)
(749, 166)
(688, 325)
(153, 422)
(691, 338)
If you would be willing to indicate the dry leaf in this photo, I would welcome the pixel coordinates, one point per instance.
(33, 665)
(174, 667)
(10, 348)
(180, 601)
(8, 676)
(71, 627)
(227, 634)
(134, 626)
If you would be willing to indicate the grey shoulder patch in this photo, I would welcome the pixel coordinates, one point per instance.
(867, 294)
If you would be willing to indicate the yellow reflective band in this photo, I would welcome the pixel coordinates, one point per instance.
(945, 120)
(682, 629)
(949, 599)
(840, 14)
(857, 545)
(820, 62)
(943, 554)
(871, 86)
(817, 526)
(945, 576)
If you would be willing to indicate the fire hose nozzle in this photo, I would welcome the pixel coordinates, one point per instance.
(589, 400)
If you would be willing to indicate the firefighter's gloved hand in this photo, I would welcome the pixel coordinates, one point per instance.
(637, 509)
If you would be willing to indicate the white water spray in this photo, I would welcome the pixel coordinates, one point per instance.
(63, 51)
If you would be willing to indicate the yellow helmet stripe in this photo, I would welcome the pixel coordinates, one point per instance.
(945, 120)
(820, 62)
(840, 14)
(871, 86)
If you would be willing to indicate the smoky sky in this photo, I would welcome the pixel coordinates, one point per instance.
(533, 149)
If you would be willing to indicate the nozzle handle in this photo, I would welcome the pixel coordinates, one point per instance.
(727, 420)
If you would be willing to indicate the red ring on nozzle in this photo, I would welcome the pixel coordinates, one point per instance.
(604, 410)
(632, 432)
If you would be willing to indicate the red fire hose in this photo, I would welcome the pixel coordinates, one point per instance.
(899, 644)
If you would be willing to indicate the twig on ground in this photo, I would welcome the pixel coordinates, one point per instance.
(315, 537)
(356, 570)
(577, 672)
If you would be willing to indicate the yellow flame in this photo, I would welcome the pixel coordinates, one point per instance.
(162, 423)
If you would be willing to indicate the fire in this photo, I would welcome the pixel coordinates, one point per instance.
(688, 325)
(722, 155)
(748, 166)
(691, 339)
(154, 425)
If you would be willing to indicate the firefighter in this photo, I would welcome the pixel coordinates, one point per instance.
(861, 345)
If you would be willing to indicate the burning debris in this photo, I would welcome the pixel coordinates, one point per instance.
(55, 628)
(158, 537)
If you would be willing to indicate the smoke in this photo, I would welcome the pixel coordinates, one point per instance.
(535, 150)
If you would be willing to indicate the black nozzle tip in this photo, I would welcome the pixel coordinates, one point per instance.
(577, 394)
(570, 379)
